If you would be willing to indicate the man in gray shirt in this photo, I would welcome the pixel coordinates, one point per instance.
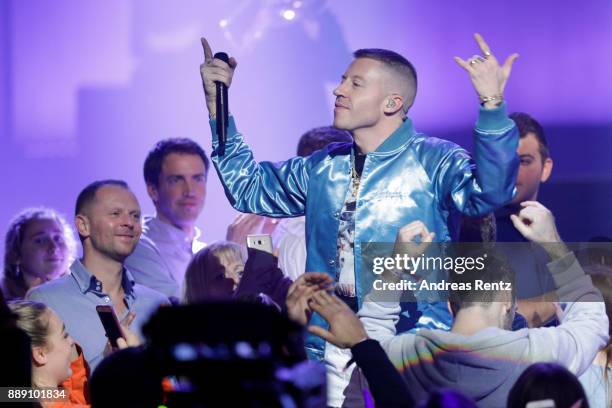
(108, 223)
(479, 356)
(175, 172)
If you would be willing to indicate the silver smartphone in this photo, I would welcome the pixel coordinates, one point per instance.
(262, 242)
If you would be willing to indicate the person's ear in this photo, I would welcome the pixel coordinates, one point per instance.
(82, 225)
(393, 104)
(39, 355)
(153, 192)
(507, 309)
(547, 167)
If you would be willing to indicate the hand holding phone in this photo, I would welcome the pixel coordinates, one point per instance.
(111, 325)
(262, 242)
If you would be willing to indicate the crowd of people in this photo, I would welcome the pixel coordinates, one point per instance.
(369, 178)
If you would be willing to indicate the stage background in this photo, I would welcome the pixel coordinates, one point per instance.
(87, 87)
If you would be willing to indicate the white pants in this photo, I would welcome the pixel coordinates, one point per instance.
(345, 386)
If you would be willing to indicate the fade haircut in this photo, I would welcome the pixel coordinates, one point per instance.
(527, 124)
(88, 194)
(317, 138)
(401, 68)
(155, 158)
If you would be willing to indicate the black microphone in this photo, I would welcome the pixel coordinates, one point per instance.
(222, 108)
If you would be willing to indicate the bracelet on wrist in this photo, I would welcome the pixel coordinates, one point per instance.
(492, 98)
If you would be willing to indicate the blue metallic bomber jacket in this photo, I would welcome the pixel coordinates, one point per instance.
(409, 177)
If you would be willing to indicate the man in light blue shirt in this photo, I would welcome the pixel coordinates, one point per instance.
(175, 173)
(108, 223)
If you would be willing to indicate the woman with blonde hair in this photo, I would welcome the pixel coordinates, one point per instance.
(51, 346)
(219, 272)
(214, 273)
(39, 247)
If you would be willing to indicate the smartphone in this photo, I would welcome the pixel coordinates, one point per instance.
(111, 324)
(261, 242)
(548, 403)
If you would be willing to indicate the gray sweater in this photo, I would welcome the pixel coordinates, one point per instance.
(485, 365)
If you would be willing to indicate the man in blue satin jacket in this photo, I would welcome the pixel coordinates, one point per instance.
(364, 192)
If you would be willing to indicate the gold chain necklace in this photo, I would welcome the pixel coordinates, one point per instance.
(355, 178)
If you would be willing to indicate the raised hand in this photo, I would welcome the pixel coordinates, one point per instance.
(488, 77)
(413, 240)
(300, 293)
(243, 225)
(129, 339)
(248, 224)
(537, 224)
(213, 70)
(406, 240)
(345, 328)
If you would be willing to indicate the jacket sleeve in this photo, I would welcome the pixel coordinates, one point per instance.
(388, 387)
(584, 325)
(479, 186)
(262, 275)
(272, 189)
(379, 320)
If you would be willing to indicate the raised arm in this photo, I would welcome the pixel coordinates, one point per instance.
(584, 324)
(273, 189)
(488, 77)
(211, 71)
(346, 331)
(381, 309)
(477, 187)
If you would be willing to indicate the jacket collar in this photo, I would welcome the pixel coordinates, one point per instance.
(398, 139)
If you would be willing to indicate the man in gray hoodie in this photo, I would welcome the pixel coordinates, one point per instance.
(480, 356)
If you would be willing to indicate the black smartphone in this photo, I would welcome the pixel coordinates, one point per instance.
(111, 324)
